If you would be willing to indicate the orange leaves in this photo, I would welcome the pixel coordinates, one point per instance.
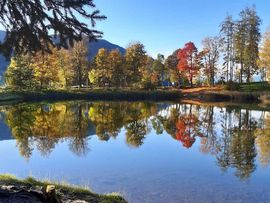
(188, 61)
(187, 130)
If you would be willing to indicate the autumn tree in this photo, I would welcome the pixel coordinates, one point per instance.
(20, 118)
(65, 70)
(79, 62)
(262, 135)
(46, 68)
(107, 119)
(100, 74)
(264, 60)
(170, 64)
(115, 66)
(150, 77)
(135, 60)
(187, 127)
(188, 61)
(20, 72)
(210, 55)
(37, 126)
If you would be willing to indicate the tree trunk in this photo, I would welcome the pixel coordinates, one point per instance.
(241, 72)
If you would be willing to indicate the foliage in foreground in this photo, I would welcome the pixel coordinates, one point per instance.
(29, 24)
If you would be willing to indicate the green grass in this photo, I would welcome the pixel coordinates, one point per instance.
(91, 95)
(246, 92)
(255, 86)
(63, 190)
(9, 96)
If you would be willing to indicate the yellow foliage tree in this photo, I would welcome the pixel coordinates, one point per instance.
(47, 69)
(264, 60)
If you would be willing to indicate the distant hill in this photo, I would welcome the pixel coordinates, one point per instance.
(101, 43)
(92, 49)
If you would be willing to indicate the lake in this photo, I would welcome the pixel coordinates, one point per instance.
(148, 152)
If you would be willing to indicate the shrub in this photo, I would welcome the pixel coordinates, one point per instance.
(147, 85)
(232, 86)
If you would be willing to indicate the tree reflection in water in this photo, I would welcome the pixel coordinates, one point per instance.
(233, 136)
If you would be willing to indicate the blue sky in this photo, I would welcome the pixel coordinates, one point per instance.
(165, 25)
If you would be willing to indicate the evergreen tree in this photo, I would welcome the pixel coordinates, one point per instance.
(240, 41)
(227, 34)
(29, 24)
(252, 43)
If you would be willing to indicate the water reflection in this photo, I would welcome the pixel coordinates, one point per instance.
(233, 136)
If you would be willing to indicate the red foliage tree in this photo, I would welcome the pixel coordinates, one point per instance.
(187, 130)
(188, 61)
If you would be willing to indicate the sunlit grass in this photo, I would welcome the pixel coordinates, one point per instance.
(62, 189)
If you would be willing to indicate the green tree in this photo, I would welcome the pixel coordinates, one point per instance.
(227, 35)
(20, 72)
(240, 38)
(252, 42)
(159, 67)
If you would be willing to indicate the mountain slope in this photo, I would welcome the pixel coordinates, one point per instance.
(93, 48)
(101, 43)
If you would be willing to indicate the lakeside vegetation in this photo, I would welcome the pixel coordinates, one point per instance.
(57, 67)
(68, 73)
(238, 47)
(64, 192)
(91, 95)
(246, 92)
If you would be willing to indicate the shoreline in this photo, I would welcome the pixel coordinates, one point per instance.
(32, 190)
(133, 95)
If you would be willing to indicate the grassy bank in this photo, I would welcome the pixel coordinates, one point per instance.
(63, 191)
(220, 94)
(217, 94)
(91, 95)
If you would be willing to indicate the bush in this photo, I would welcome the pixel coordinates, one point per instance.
(148, 86)
(232, 86)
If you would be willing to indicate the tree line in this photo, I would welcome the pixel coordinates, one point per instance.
(233, 56)
(64, 68)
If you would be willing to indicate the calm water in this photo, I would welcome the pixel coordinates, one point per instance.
(148, 152)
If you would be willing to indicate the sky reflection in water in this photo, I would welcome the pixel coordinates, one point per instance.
(149, 152)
